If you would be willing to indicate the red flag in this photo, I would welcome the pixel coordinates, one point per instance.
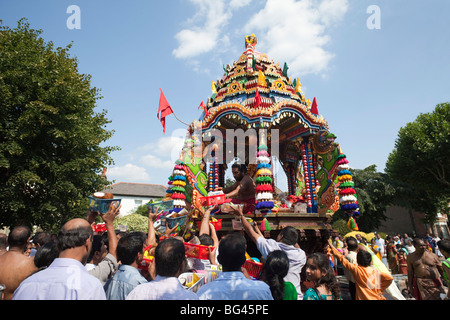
(258, 101)
(202, 106)
(164, 110)
(314, 109)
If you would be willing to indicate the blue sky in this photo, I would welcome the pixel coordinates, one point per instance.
(368, 82)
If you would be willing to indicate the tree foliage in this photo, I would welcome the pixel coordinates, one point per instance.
(420, 162)
(50, 134)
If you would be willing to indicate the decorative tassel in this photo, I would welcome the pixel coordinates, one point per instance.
(265, 226)
(351, 224)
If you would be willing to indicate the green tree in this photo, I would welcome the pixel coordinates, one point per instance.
(420, 162)
(50, 135)
(375, 194)
(142, 210)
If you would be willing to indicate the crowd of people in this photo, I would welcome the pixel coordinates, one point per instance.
(79, 264)
(424, 262)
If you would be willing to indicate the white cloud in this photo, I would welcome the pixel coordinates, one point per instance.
(156, 163)
(198, 40)
(292, 31)
(150, 163)
(332, 11)
(167, 146)
(295, 32)
(128, 173)
(195, 42)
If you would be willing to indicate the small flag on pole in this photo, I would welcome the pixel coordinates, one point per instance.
(314, 109)
(204, 108)
(164, 110)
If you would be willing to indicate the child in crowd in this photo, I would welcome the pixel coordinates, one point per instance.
(370, 282)
(326, 286)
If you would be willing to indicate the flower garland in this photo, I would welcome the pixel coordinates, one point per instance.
(348, 198)
(213, 176)
(178, 182)
(264, 189)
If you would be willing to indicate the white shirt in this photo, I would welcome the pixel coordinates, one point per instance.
(380, 244)
(296, 256)
(162, 288)
(64, 279)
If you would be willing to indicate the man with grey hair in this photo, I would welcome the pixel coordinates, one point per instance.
(67, 278)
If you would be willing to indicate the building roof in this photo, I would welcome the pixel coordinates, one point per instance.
(136, 189)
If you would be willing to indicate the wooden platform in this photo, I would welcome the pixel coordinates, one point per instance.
(300, 221)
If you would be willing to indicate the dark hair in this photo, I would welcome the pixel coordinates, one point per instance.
(417, 240)
(128, 248)
(45, 255)
(352, 243)
(363, 258)
(232, 252)
(3, 240)
(289, 235)
(169, 256)
(72, 238)
(275, 268)
(19, 236)
(444, 245)
(97, 243)
(206, 240)
(42, 238)
(240, 166)
(329, 279)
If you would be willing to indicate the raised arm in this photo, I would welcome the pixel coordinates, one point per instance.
(151, 236)
(204, 226)
(214, 235)
(247, 226)
(108, 218)
(347, 264)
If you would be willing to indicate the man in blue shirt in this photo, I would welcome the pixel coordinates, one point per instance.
(130, 252)
(66, 278)
(170, 261)
(232, 283)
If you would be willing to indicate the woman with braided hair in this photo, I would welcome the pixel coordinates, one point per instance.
(275, 268)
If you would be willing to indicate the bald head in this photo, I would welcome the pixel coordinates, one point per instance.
(74, 234)
(19, 236)
(75, 224)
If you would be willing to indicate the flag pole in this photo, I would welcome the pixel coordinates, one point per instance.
(179, 119)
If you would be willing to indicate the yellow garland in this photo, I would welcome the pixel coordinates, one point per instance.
(345, 177)
(179, 183)
(263, 172)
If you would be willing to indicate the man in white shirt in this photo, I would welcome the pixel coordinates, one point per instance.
(287, 242)
(170, 262)
(352, 245)
(66, 278)
(379, 241)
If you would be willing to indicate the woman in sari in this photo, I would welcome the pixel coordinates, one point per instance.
(375, 249)
(391, 253)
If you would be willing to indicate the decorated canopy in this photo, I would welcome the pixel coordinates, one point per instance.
(278, 123)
